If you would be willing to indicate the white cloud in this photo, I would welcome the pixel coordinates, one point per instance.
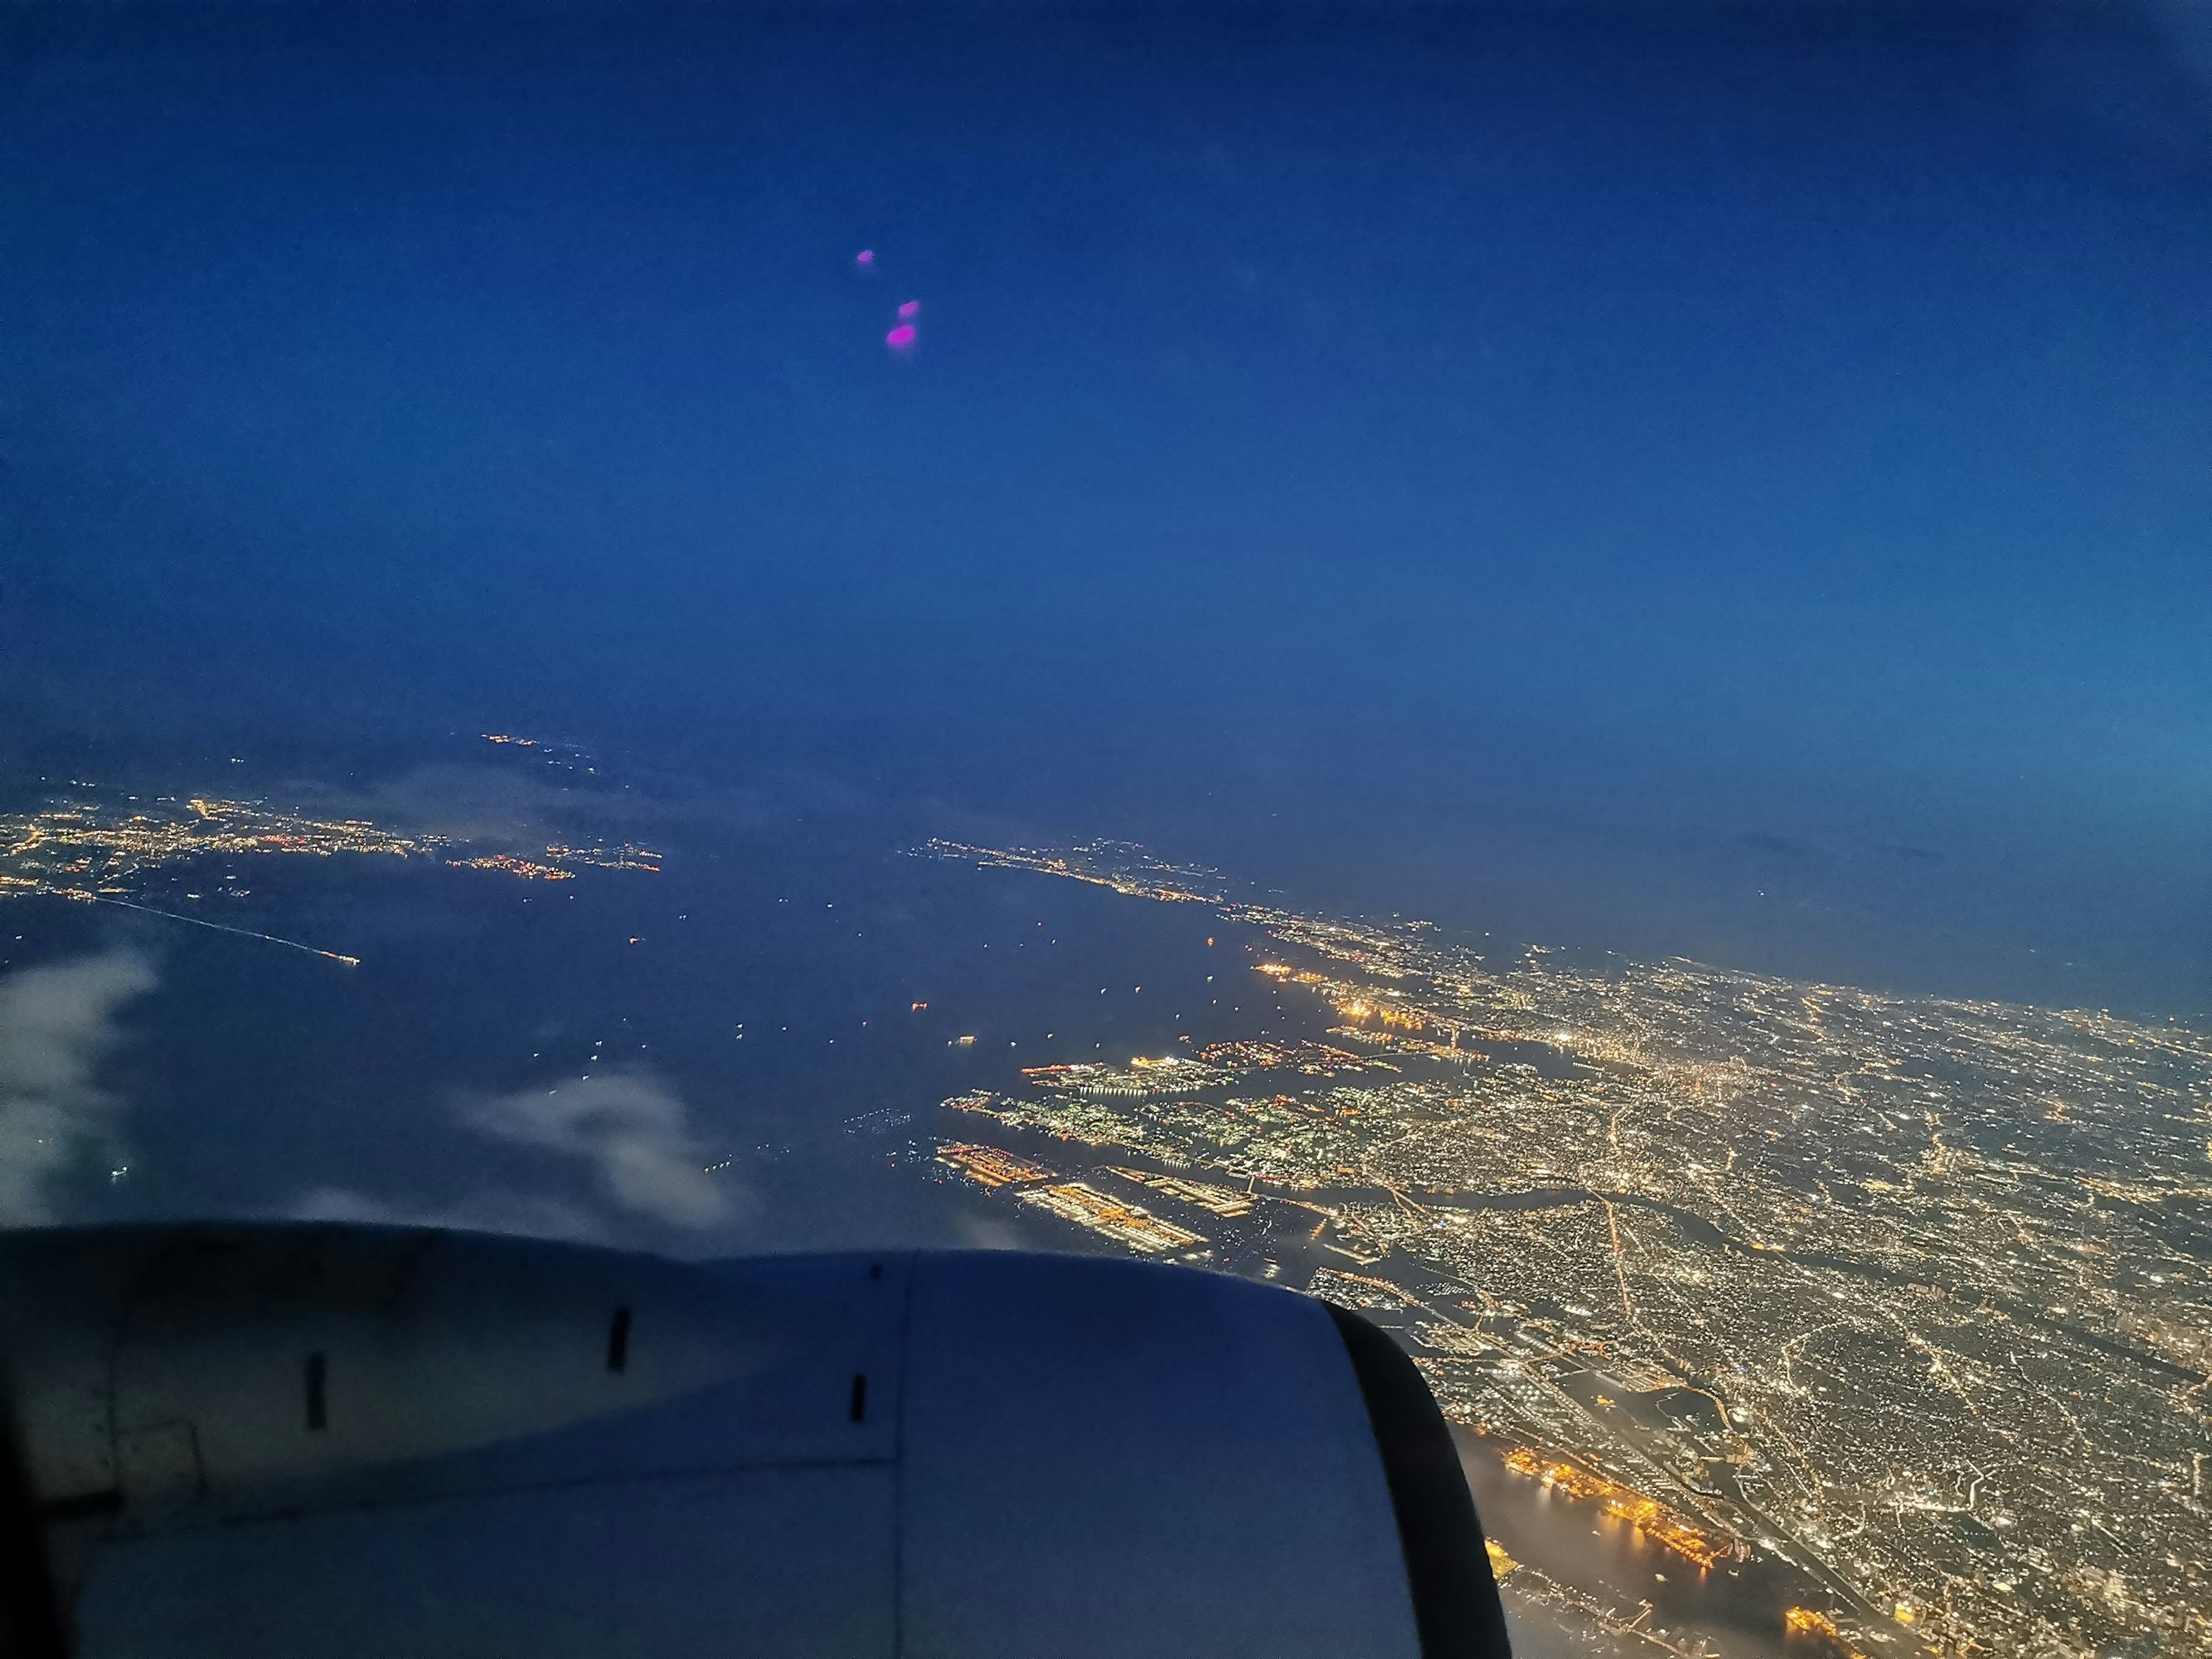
(56, 1026)
(987, 1233)
(630, 1128)
(492, 806)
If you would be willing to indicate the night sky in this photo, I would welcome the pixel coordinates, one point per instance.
(1727, 481)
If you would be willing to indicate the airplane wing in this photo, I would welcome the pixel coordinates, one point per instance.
(227, 1441)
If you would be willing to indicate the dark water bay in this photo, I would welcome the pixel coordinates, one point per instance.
(1737, 1608)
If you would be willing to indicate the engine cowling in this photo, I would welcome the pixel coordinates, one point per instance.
(293, 1440)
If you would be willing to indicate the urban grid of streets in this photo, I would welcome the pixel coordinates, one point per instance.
(1911, 1293)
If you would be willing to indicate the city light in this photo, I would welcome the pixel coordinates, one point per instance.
(1803, 1270)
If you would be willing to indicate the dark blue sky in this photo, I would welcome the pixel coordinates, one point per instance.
(1583, 468)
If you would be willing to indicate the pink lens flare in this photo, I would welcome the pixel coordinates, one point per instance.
(909, 311)
(866, 259)
(902, 338)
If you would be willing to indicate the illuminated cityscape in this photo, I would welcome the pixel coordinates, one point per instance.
(705, 630)
(989, 1167)
(1909, 1294)
(92, 849)
(1127, 1224)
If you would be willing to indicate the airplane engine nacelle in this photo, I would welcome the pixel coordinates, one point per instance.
(234, 1440)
